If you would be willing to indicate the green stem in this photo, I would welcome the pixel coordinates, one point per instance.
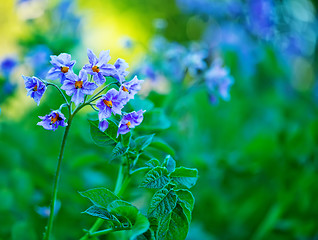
(102, 232)
(52, 84)
(56, 180)
(119, 188)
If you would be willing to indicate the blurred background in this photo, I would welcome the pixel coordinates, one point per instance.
(234, 91)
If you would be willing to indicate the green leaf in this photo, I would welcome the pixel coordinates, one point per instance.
(161, 145)
(125, 139)
(155, 178)
(141, 104)
(124, 209)
(100, 197)
(103, 138)
(141, 226)
(186, 177)
(173, 226)
(101, 213)
(185, 196)
(143, 141)
(148, 235)
(119, 150)
(162, 202)
(170, 163)
(186, 201)
(152, 163)
(140, 223)
(155, 119)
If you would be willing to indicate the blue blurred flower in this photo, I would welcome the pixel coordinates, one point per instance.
(7, 65)
(52, 120)
(112, 102)
(78, 86)
(261, 17)
(62, 65)
(38, 58)
(218, 81)
(130, 120)
(35, 87)
(99, 67)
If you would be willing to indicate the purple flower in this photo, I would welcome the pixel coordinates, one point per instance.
(219, 81)
(99, 67)
(52, 120)
(103, 125)
(120, 66)
(35, 88)
(8, 64)
(129, 121)
(112, 102)
(131, 87)
(78, 86)
(62, 65)
(261, 17)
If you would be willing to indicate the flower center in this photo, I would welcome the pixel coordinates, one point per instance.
(35, 88)
(78, 84)
(108, 103)
(95, 69)
(125, 89)
(128, 124)
(64, 69)
(54, 119)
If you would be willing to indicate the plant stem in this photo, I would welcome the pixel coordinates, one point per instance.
(56, 180)
(52, 84)
(118, 190)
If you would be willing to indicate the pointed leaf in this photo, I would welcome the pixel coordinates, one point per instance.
(155, 178)
(100, 197)
(143, 141)
(170, 163)
(186, 177)
(173, 226)
(101, 213)
(152, 163)
(103, 138)
(119, 150)
(162, 202)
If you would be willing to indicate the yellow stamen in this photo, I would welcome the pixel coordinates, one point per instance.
(35, 88)
(128, 124)
(95, 69)
(54, 119)
(125, 89)
(64, 69)
(108, 103)
(78, 84)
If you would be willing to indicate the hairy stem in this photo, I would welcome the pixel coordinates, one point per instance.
(56, 180)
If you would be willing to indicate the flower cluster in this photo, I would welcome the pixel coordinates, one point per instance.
(78, 87)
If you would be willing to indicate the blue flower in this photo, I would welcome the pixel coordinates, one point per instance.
(131, 87)
(62, 65)
(130, 120)
(35, 87)
(99, 67)
(103, 125)
(78, 86)
(7, 65)
(37, 58)
(218, 81)
(52, 120)
(120, 66)
(112, 102)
